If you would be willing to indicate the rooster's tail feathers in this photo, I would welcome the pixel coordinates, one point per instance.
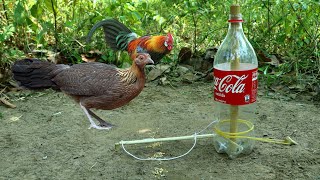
(36, 74)
(123, 40)
(116, 33)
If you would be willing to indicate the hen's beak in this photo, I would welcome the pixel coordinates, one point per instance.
(149, 61)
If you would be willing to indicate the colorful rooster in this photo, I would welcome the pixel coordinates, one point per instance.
(119, 37)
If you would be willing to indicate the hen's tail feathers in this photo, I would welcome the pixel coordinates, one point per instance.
(117, 35)
(36, 74)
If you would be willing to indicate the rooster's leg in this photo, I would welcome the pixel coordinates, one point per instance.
(102, 122)
(92, 125)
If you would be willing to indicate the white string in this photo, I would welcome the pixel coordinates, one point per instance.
(213, 122)
(171, 158)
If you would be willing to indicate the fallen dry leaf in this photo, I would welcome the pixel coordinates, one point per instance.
(144, 131)
(7, 103)
(86, 59)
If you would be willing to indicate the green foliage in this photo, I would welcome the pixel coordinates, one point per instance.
(7, 53)
(288, 29)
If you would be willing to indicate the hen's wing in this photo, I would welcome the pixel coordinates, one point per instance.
(89, 79)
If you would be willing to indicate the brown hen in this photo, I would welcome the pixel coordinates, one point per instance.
(92, 85)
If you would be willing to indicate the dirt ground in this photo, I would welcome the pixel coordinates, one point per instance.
(47, 137)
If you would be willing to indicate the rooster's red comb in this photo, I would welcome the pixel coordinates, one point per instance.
(170, 37)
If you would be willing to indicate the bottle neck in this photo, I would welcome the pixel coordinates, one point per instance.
(236, 26)
(235, 22)
(235, 29)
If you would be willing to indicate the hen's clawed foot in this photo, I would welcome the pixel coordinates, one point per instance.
(102, 127)
(103, 124)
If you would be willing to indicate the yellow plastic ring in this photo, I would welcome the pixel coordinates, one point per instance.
(228, 134)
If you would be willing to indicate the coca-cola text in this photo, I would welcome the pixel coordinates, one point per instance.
(235, 87)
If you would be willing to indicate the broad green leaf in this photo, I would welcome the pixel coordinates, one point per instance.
(19, 14)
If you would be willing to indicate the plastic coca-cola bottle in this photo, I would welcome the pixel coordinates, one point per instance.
(235, 90)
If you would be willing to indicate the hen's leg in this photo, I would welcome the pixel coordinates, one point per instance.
(92, 125)
(102, 122)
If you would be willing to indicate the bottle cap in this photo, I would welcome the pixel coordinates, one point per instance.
(235, 9)
(235, 15)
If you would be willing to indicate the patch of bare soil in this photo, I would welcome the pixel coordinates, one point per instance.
(47, 137)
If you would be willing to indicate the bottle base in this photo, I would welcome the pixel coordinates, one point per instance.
(233, 148)
(237, 143)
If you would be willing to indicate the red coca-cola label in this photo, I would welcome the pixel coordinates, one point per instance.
(235, 87)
